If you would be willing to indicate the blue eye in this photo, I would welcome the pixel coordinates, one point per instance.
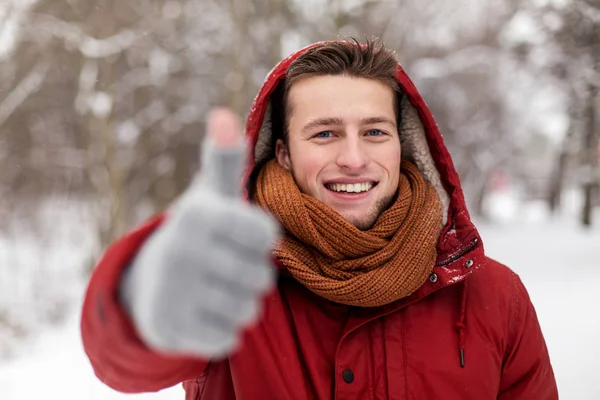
(375, 132)
(324, 134)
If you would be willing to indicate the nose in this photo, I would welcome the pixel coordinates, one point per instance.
(352, 156)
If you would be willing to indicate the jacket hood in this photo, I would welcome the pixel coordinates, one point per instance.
(422, 143)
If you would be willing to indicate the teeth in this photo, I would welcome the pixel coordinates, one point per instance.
(350, 187)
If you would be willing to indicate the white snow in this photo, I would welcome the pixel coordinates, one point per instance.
(558, 261)
(57, 368)
(101, 104)
(13, 14)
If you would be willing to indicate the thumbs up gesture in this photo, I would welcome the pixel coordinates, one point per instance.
(198, 280)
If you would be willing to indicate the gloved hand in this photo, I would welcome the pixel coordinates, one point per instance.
(198, 280)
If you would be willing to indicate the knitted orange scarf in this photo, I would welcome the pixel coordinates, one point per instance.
(341, 263)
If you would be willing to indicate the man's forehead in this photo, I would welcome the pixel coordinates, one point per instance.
(338, 91)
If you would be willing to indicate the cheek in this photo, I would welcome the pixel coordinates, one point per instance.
(306, 166)
(390, 159)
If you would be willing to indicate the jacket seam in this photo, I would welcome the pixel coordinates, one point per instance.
(513, 316)
(404, 355)
(385, 353)
(204, 375)
(371, 370)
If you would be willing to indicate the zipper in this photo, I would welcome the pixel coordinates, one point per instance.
(460, 254)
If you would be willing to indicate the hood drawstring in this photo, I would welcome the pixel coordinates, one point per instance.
(460, 324)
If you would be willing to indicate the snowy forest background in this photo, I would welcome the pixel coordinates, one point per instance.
(102, 106)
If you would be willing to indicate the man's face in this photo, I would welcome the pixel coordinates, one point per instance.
(343, 146)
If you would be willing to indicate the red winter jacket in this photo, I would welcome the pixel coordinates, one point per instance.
(470, 332)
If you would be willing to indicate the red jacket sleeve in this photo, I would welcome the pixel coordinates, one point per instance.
(527, 372)
(117, 354)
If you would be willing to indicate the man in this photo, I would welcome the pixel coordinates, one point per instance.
(371, 284)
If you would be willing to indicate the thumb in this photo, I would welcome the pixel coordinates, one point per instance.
(224, 153)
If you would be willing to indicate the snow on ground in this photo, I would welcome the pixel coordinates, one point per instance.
(558, 261)
(57, 368)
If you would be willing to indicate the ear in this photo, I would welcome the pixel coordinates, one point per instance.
(283, 154)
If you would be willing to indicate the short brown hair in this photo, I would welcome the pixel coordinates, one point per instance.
(371, 60)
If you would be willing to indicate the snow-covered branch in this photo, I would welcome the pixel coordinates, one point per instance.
(89, 46)
(29, 85)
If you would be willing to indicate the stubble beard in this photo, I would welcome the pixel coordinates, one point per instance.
(366, 222)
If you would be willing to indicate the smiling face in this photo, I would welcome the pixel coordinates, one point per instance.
(343, 146)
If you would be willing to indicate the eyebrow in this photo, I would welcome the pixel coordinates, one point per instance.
(377, 120)
(329, 121)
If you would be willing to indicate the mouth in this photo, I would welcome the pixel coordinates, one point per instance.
(351, 188)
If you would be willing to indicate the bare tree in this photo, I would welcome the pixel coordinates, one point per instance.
(591, 182)
(572, 31)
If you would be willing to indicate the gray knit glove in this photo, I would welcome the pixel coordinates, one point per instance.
(198, 279)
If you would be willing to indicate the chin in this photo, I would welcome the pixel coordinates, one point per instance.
(362, 222)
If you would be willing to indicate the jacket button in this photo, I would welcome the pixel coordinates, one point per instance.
(348, 376)
(469, 264)
(433, 278)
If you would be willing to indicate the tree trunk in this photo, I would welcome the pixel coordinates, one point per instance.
(590, 186)
(481, 196)
(239, 64)
(558, 175)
